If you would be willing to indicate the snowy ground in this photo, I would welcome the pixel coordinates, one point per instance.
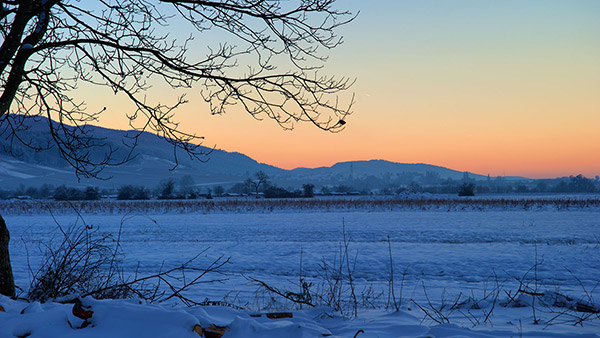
(439, 255)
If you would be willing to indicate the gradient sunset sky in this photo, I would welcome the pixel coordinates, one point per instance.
(506, 87)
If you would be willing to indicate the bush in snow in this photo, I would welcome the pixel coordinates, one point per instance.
(87, 262)
(83, 259)
(466, 189)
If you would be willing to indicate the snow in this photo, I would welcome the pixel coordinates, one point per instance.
(125, 318)
(442, 254)
(111, 318)
(9, 170)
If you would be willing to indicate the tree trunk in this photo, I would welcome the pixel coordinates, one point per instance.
(7, 283)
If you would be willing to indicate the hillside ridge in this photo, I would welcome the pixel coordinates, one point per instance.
(154, 161)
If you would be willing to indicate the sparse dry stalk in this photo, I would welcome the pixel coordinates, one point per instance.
(87, 262)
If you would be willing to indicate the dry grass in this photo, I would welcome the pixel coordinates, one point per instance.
(241, 205)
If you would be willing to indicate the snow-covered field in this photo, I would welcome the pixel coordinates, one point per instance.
(460, 267)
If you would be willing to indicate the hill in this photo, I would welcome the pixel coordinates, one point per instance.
(154, 161)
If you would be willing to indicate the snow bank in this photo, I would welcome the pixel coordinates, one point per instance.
(126, 318)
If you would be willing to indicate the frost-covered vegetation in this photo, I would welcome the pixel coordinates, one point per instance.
(484, 271)
(245, 205)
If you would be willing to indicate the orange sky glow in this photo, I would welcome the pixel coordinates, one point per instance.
(501, 88)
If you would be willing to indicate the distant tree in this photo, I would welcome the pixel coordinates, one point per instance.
(432, 178)
(308, 190)
(562, 186)
(241, 188)
(483, 189)
(131, 192)
(32, 192)
(64, 193)
(521, 188)
(186, 186)
(219, 191)
(76, 194)
(61, 193)
(575, 184)
(414, 187)
(277, 192)
(45, 190)
(125, 192)
(466, 189)
(541, 187)
(166, 189)
(141, 193)
(342, 189)
(91, 194)
(20, 190)
(581, 184)
(261, 180)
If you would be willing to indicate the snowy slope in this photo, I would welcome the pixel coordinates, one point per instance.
(155, 159)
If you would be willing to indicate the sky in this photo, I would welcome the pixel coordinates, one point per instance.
(491, 87)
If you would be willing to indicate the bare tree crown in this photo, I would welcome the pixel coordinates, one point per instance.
(50, 47)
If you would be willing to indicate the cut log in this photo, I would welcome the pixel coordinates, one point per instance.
(80, 312)
(214, 331)
(198, 329)
(278, 315)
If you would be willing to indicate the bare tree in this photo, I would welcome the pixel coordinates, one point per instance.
(261, 180)
(51, 48)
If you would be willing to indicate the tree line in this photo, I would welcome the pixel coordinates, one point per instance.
(260, 185)
(184, 188)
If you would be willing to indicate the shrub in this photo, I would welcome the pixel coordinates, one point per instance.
(308, 190)
(276, 192)
(131, 192)
(87, 262)
(91, 194)
(83, 260)
(466, 189)
(166, 189)
(63, 193)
